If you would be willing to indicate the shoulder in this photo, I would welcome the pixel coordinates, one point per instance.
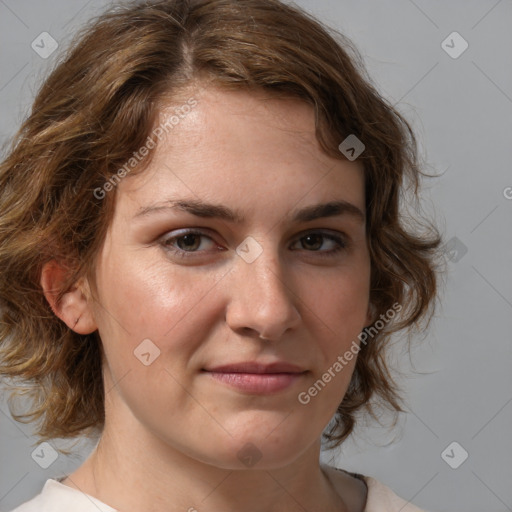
(383, 499)
(57, 497)
(376, 497)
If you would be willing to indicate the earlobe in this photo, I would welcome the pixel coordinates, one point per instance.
(74, 309)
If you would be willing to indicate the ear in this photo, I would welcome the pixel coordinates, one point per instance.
(370, 314)
(74, 309)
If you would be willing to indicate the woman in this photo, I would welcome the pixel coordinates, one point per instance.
(203, 258)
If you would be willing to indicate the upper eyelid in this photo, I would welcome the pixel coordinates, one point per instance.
(204, 232)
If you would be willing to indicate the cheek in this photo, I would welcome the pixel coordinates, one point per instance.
(339, 314)
(171, 306)
(339, 308)
(339, 300)
(151, 325)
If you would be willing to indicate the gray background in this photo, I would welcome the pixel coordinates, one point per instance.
(459, 383)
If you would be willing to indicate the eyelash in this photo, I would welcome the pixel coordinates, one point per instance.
(341, 243)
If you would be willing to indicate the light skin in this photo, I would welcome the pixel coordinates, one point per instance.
(173, 433)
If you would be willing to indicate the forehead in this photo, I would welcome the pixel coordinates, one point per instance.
(244, 147)
(233, 121)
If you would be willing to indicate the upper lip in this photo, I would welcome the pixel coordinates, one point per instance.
(255, 367)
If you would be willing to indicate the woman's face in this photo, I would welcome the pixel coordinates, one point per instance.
(224, 239)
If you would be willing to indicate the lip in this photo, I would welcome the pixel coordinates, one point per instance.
(257, 378)
(256, 367)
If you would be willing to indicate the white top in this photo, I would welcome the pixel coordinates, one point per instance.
(58, 497)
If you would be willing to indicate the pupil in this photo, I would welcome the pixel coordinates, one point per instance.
(310, 240)
(187, 242)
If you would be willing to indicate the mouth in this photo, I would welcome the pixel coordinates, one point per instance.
(257, 378)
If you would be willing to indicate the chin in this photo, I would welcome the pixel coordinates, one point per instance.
(250, 457)
(259, 449)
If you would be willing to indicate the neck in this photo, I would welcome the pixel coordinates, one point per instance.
(132, 468)
(148, 474)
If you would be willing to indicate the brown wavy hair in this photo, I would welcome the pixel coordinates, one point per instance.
(100, 104)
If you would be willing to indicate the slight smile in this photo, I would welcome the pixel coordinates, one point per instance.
(257, 378)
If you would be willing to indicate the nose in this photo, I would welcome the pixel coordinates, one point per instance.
(262, 302)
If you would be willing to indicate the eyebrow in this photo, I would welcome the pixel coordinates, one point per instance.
(217, 211)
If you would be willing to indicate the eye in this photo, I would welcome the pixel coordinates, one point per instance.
(188, 242)
(314, 241)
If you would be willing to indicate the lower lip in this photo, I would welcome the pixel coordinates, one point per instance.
(258, 383)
